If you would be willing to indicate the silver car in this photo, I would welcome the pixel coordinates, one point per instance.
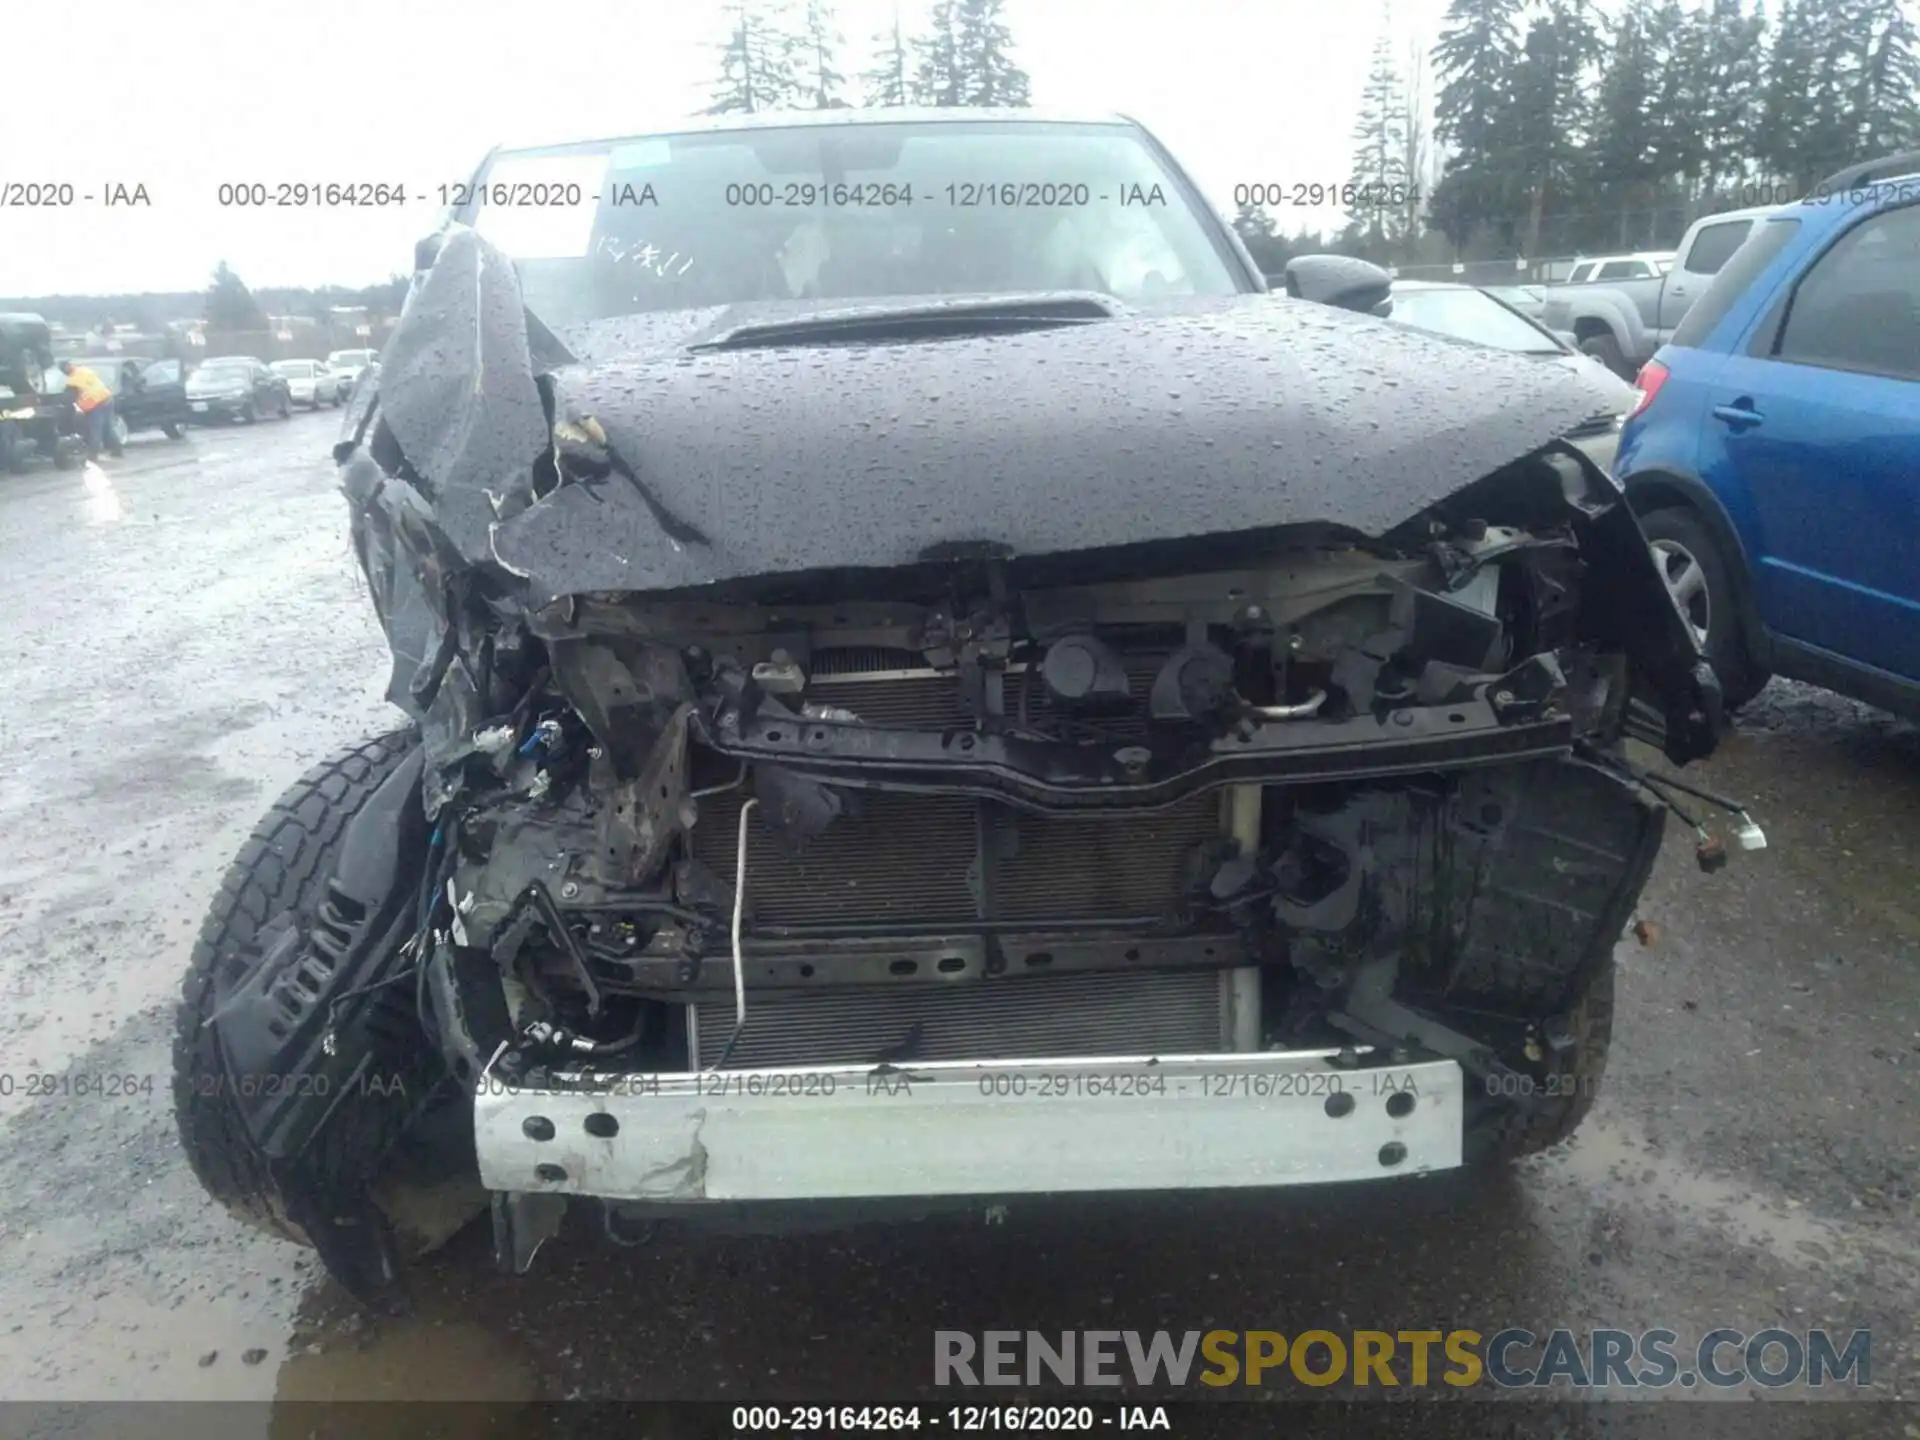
(311, 382)
(348, 365)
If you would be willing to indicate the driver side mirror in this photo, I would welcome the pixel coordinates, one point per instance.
(1340, 281)
(426, 250)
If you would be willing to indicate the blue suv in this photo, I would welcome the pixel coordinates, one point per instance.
(1773, 453)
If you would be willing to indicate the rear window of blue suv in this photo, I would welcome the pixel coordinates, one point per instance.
(1858, 307)
(1731, 283)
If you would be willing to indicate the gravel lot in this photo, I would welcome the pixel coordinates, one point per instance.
(184, 632)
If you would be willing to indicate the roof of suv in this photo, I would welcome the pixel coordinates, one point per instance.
(1750, 212)
(1885, 170)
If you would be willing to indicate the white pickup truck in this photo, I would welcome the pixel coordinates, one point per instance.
(1622, 321)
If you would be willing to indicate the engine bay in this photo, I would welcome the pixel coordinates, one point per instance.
(1182, 760)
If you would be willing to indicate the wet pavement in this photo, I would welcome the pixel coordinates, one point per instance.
(184, 631)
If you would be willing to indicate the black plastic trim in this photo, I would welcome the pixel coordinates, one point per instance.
(1798, 661)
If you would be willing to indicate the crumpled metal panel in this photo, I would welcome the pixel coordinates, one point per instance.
(457, 391)
(1223, 415)
(493, 471)
(1149, 426)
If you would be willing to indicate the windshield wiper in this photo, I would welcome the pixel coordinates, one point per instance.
(928, 320)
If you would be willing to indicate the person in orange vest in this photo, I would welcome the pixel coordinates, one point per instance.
(95, 401)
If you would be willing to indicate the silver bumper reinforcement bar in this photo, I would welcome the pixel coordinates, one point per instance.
(998, 1127)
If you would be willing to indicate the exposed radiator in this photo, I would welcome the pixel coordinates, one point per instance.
(939, 859)
(1163, 1012)
(904, 858)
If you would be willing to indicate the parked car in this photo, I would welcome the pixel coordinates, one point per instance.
(1774, 453)
(1608, 269)
(237, 387)
(311, 382)
(912, 657)
(347, 366)
(1620, 309)
(1481, 317)
(148, 394)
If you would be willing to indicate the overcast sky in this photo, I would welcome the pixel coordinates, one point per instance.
(184, 96)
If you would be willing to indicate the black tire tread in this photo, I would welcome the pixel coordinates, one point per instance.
(1606, 349)
(284, 865)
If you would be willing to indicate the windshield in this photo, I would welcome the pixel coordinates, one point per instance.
(224, 369)
(846, 212)
(1468, 314)
(299, 368)
(349, 357)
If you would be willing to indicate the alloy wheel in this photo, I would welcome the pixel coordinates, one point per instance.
(1687, 583)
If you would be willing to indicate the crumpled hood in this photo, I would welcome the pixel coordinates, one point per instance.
(1217, 416)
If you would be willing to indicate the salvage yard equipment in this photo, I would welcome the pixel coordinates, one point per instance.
(35, 404)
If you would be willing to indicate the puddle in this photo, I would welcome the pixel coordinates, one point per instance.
(417, 1358)
(102, 505)
(1608, 1157)
(341, 1370)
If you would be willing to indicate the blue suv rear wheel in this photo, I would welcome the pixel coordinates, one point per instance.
(1701, 581)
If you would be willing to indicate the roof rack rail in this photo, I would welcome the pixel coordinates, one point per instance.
(1868, 171)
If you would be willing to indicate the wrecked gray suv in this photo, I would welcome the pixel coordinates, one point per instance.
(924, 682)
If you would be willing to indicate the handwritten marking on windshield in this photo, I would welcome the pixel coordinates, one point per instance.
(644, 255)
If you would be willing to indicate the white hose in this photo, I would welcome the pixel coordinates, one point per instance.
(739, 909)
(1309, 706)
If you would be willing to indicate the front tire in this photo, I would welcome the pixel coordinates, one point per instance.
(172, 430)
(1701, 581)
(251, 414)
(283, 869)
(1606, 349)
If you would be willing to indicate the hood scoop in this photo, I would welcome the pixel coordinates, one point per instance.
(938, 320)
